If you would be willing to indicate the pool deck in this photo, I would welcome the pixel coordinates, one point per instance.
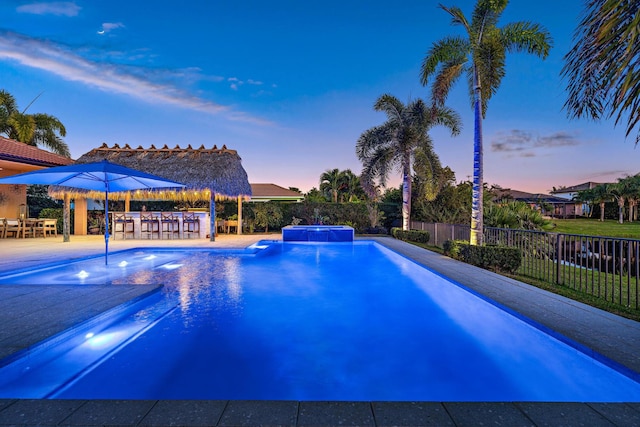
(29, 314)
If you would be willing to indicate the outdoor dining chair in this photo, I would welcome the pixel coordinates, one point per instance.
(12, 226)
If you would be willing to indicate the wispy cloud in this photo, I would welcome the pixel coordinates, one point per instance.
(235, 82)
(107, 27)
(109, 77)
(58, 8)
(526, 144)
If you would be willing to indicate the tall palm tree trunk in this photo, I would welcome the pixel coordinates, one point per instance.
(406, 193)
(621, 210)
(602, 211)
(477, 229)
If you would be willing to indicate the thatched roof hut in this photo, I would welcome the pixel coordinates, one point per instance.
(202, 170)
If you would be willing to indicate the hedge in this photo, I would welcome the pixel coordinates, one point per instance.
(490, 257)
(411, 235)
(56, 213)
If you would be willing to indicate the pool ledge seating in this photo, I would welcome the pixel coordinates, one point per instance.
(317, 233)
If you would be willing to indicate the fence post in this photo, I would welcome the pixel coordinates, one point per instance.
(558, 257)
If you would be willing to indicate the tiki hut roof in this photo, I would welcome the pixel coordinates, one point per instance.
(202, 170)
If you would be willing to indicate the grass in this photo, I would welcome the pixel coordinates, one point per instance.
(593, 227)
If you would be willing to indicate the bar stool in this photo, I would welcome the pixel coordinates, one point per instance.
(149, 225)
(190, 224)
(124, 225)
(170, 225)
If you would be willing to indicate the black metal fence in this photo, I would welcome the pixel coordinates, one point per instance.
(440, 233)
(605, 267)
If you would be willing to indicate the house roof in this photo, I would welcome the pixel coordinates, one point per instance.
(202, 170)
(575, 188)
(19, 152)
(523, 196)
(273, 192)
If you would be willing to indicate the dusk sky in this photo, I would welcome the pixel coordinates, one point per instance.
(291, 84)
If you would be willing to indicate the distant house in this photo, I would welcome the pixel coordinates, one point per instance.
(273, 192)
(554, 206)
(569, 193)
(17, 157)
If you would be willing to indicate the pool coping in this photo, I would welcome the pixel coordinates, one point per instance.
(549, 310)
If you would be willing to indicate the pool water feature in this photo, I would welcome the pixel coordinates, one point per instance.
(318, 233)
(303, 321)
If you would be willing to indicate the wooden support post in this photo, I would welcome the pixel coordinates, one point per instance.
(239, 228)
(212, 217)
(66, 218)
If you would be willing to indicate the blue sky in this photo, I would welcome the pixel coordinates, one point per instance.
(291, 84)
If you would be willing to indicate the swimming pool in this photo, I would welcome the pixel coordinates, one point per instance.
(300, 321)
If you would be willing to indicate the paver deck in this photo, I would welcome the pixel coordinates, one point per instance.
(27, 315)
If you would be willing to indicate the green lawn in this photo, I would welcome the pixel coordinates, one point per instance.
(593, 227)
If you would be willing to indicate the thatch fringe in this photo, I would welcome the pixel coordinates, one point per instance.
(202, 170)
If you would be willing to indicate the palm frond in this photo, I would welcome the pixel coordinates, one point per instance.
(450, 50)
(457, 16)
(602, 68)
(390, 105)
(445, 80)
(486, 14)
(526, 37)
(447, 117)
(372, 139)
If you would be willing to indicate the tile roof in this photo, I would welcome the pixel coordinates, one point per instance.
(530, 197)
(273, 191)
(575, 188)
(16, 151)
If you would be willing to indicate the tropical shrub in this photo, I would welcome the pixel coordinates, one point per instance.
(517, 215)
(267, 214)
(352, 214)
(496, 258)
(56, 213)
(417, 236)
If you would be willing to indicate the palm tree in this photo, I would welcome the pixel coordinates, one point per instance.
(351, 187)
(401, 139)
(619, 191)
(32, 129)
(602, 67)
(631, 188)
(330, 183)
(481, 57)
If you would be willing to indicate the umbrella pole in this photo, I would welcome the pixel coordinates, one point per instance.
(106, 226)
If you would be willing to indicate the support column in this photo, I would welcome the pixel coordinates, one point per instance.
(127, 202)
(212, 217)
(66, 218)
(80, 216)
(239, 215)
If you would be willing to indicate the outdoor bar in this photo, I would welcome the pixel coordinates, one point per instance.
(209, 174)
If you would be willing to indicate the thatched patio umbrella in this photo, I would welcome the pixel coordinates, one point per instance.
(208, 173)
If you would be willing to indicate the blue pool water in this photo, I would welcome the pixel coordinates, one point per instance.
(300, 321)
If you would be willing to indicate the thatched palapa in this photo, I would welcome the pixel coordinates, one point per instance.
(202, 170)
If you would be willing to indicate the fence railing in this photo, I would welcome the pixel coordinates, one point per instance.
(605, 267)
(440, 232)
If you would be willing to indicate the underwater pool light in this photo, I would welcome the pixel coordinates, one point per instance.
(82, 275)
(171, 266)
